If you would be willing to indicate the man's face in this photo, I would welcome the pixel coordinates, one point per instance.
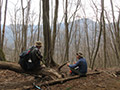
(77, 56)
(38, 47)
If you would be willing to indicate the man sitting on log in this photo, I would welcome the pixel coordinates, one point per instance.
(30, 59)
(80, 67)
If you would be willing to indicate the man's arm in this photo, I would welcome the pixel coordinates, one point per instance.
(74, 65)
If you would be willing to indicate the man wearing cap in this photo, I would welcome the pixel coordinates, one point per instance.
(36, 56)
(80, 67)
(31, 58)
(38, 44)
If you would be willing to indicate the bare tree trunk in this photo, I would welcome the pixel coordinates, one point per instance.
(94, 44)
(26, 24)
(117, 40)
(101, 28)
(15, 30)
(0, 21)
(51, 13)
(95, 32)
(104, 36)
(16, 54)
(113, 39)
(22, 49)
(31, 37)
(66, 34)
(77, 39)
(2, 56)
(88, 46)
(47, 35)
(38, 37)
(118, 32)
(3, 31)
(113, 16)
(55, 27)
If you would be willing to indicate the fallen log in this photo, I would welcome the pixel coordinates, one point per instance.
(11, 66)
(14, 85)
(42, 71)
(60, 81)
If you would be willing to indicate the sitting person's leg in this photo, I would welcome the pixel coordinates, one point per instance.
(74, 71)
(77, 72)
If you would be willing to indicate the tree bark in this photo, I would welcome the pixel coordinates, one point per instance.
(87, 36)
(116, 31)
(3, 31)
(2, 56)
(99, 38)
(66, 58)
(49, 62)
(38, 35)
(55, 25)
(26, 24)
(0, 21)
(40, 71)
(22, 49)
(104, 36)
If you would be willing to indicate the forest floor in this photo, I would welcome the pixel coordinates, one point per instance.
(106, 80)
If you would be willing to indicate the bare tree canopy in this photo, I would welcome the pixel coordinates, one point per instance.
(64, 27)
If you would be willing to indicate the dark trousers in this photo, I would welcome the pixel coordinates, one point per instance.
(28, 66)
(77, 72)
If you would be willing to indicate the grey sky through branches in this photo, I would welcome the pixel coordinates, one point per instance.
(86, 7)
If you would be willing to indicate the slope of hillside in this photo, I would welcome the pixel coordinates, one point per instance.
(107, 80)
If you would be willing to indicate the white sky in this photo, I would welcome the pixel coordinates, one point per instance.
(86, 4)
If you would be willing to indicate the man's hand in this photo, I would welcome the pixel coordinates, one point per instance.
(68, 64)
(74, 62)
(30, 61)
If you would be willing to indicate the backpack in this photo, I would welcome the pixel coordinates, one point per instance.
(24, 57)
(26, 52)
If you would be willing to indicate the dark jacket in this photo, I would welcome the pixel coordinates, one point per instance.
(32, 54)
(81, 65)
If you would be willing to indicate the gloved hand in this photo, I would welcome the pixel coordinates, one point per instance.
(68, 64)
(30, 61)
(74, 62)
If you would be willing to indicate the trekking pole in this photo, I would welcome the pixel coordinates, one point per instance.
(36, 86)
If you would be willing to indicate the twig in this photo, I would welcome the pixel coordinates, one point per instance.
(61, 66)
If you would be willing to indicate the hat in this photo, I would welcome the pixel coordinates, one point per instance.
(79, 54)
(38, 43)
